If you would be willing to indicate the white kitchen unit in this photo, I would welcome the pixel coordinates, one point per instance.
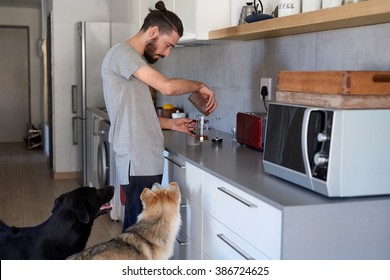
(93, 139)
(136, 11)
(211, 223)
(256, 222)
(249, 214)
(198, 16)
(201, 16)
(221, 243)
(189, 178)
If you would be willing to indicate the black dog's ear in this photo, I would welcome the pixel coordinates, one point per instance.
(81, 212)
(57, 202)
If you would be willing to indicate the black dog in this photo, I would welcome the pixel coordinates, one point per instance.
(64, 233)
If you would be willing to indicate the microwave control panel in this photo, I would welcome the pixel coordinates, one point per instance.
(319, 144)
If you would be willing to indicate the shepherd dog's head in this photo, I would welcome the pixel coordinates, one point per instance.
(160, 202)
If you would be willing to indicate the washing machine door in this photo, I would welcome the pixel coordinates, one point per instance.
(103, 164)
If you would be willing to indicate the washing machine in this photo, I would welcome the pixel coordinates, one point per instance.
(107, 171)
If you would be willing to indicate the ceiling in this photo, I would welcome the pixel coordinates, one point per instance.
(20, 3)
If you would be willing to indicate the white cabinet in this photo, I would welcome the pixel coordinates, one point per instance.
(246, 216)
(220, 221)
(93, 140)
(221, 243)
(189, 178)
(198, 16)
(136, 11)
(201, 16)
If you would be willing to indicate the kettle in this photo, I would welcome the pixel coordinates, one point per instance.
(250, 9)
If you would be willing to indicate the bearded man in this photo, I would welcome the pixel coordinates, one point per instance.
(136, 131)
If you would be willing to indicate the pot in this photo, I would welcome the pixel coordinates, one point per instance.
(250, 10)
(246, 11)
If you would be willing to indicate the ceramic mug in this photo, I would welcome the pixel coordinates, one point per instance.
(311, 5)
(289, 7)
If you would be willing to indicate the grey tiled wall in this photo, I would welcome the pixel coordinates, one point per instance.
(233, 70)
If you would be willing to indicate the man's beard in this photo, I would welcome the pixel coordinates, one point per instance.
(150, 48)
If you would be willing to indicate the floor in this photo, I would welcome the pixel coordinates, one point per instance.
(27, 191)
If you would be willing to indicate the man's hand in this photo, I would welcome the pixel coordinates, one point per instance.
(210, 97)
(185, 125)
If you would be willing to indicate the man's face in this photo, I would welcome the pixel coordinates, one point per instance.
(160, 46)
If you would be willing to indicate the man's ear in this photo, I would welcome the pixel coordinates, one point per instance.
(154, 31)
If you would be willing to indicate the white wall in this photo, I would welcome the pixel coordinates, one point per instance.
(30, 17)
(66, 13)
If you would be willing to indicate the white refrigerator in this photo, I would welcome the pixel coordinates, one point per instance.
(94, 40)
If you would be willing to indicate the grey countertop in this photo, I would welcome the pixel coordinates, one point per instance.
(242, 167)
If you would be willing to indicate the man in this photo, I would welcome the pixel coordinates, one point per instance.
(136, 131)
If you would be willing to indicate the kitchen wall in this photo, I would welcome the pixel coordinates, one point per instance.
(66, 72)
(233, 70)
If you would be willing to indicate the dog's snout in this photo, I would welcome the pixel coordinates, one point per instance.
(106, 193)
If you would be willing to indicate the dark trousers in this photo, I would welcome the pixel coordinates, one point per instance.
(133, 205)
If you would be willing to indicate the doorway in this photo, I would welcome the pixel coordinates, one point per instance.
(14, 83)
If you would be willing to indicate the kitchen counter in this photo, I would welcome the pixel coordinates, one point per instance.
(242, 167)
(313, 226)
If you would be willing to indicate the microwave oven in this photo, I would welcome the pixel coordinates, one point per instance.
(334, 152)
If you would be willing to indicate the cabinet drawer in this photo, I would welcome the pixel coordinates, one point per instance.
(188, 177)
(185, 249)
(255, 221)
(220, 243)
(191, 217)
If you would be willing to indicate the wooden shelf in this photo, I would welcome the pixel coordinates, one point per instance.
(351, 15)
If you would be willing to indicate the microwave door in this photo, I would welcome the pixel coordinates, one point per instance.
(316, 130)
(305, 143)
(283, 143)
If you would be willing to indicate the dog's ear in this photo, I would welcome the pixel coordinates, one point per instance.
(57, 202)
(81, 212)
(146, 196)
(173, 190)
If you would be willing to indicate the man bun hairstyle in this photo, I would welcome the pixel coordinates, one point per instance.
(164, 19)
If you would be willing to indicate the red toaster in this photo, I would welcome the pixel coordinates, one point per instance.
(249, 129)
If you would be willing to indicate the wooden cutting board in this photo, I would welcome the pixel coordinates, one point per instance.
(335, 82)
(337, 101)
(335, 89)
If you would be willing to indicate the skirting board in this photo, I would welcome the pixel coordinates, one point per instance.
(66, 175)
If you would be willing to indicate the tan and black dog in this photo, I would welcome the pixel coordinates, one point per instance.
(152, 237)
(64, 233)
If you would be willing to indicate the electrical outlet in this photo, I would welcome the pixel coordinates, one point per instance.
(267, 82)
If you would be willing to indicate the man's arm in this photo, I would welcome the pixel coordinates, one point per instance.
(175, 86)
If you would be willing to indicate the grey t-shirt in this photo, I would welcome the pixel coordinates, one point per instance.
(135, 130)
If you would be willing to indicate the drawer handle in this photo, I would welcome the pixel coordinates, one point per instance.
(182, 243)
(174, 162)
(235, 247)
(239, 198)
(183, 205)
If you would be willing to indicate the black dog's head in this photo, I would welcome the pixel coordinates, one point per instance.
(85, 202)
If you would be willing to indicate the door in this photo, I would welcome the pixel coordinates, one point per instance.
(14, 83)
